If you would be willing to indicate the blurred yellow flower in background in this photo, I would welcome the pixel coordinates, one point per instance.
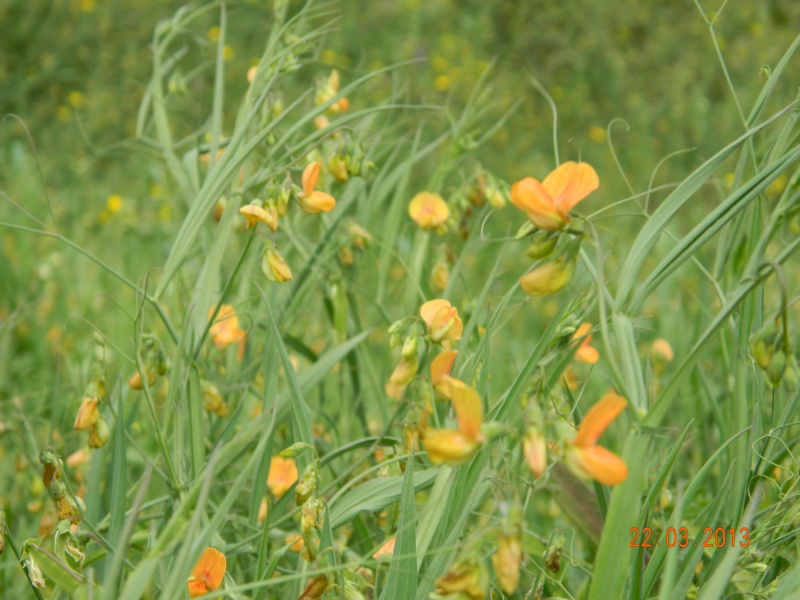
(430, 211)
(282, 475)
(225, 330)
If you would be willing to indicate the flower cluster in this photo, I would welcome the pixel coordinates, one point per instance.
(547, 205)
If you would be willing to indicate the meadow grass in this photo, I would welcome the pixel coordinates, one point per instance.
(337, 345)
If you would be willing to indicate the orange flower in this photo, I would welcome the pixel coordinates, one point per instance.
(585, 353)
(430, 211)
(457, 447)
(441, 366)
(534, 447)
(207, 573)
(548, 203)
(585, 457)
(442, 320)
(282, 475)
(225, 330)
(386, 550)
(313, 201)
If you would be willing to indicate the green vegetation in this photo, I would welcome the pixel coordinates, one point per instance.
(278, 281)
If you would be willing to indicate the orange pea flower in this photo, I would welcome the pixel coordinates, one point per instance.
(456, 447)
(588, 460)
(314, 201)
(88, 414)
(585, 353)
(430, 211)
(282, 475)
(225, 330)
(442, 320)
(208, 573)
(440, 372)
(548, 203)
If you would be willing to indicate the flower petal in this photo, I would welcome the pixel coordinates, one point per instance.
(599, 464)
(442, 365)
(450, 447)
(208, 572)
(310, 176)
(468, 408)
(531, 197)
(570, 183)
(597, 420)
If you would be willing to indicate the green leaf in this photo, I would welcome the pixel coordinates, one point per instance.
(401, 582)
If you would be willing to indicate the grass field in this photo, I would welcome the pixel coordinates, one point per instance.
(399, 300)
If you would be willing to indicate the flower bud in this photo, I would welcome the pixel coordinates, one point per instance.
(274, 266)
(542, 247)
(98, 434)
(776, 367)
(549, 278)
(338, 168)
(315, 588)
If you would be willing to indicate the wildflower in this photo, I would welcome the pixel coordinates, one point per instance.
(430, 211)
(408, 365)
(508, 558)
(440, 276)
(255, 213)
(114, 203)
(315, 588)
(98, 434)
(225, 330)
(585, 457)
(386, 550)
(282, 475)
(585, 353)
(314, 201)
(87, 413)
(295, 542)
(468, 579)
(534, 447)
(77, 459)
(208, 573)
(213, 400)
(457, 446)
(442, 320)
(441, 366)
(549, 278)
(135, 381)
(274, 266)
(548, 203)
(338, 168)
(660, 354)
(328, 90)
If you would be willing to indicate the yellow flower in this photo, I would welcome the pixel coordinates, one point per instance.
(328, 90)
(549, 278)
(254, 214)
(225, 330)
(467, 579)
(442, 320)
(457, 447)
(661, 354)
(585, 457)
(585, 353)
(208, 573)
(282, 475)
(87, 413)
(314, 201)
(275, 266)
(114, 203)
(548, 203)
(507, 560)
(430, 211)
